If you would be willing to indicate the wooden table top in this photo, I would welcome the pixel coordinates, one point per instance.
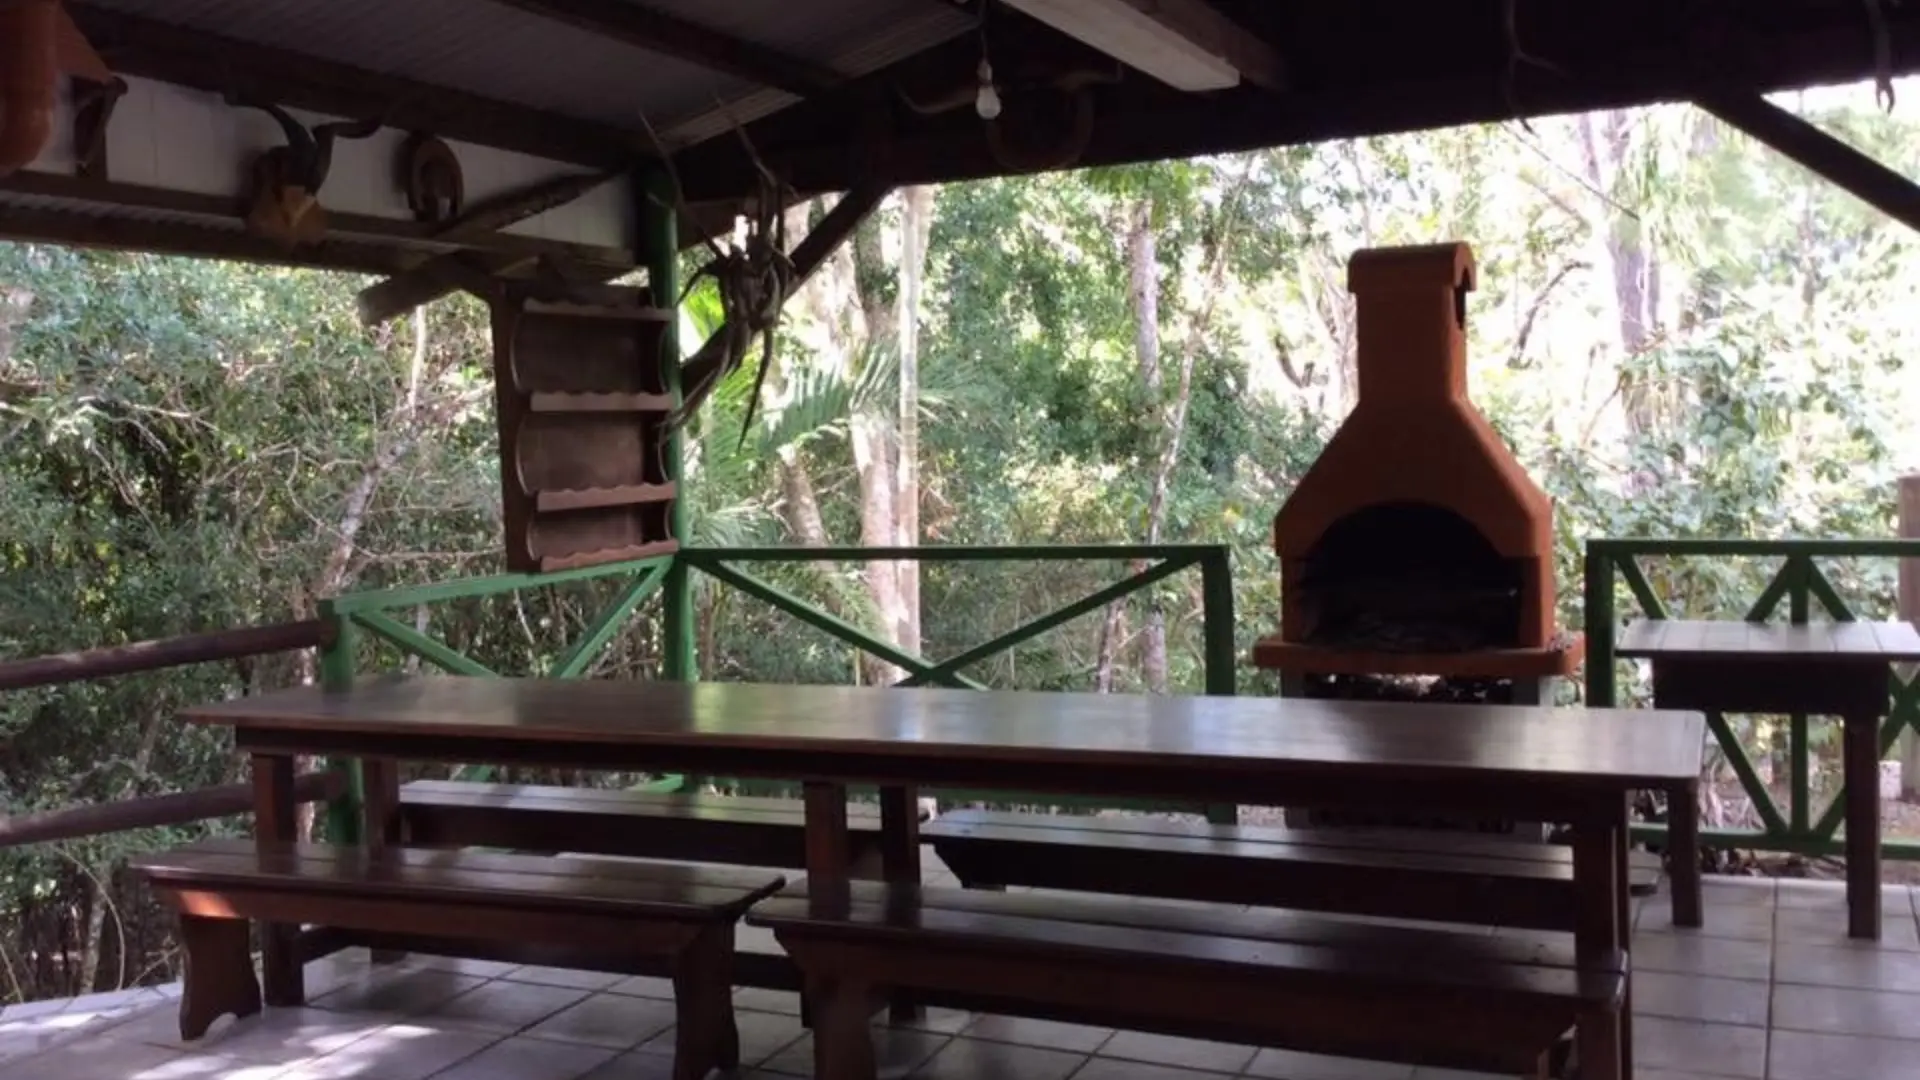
(1655, 639)
(1242, 735)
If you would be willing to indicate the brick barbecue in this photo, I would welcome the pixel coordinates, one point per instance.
(1416, 555)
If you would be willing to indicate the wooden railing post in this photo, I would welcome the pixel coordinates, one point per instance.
(1910, 610)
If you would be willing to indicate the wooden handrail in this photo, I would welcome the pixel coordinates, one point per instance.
(153, 811)
(164, 653)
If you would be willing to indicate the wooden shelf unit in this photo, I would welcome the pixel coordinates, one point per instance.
(582, 405)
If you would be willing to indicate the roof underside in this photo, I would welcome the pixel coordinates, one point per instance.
(823, 87)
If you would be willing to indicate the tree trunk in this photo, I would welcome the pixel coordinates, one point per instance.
(1143, 295)
(1113, 631)
(844, 297)
(1635, 271)
(1143, 274)
(1143, 290)
(915, 225)
(873, 462)
(1173, 418)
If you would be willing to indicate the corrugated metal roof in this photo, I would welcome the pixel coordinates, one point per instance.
(509, 55)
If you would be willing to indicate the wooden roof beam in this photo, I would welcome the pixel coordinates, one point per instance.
(1891, 193)
(85, 230)
(810, 147)
(1199, 23)
(478, 230)
(665, 35)
(147, 48)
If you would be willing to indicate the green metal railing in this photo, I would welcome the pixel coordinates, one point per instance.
(1800, 584)
(368, 613)
(355, 614)
(1216, 584)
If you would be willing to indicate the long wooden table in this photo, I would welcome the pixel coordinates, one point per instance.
(1575, 766)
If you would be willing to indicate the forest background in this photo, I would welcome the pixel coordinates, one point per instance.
(1680, 333)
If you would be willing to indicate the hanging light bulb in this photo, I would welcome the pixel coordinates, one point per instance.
(987, 101)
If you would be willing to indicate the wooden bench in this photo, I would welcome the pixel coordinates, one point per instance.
(632, 915)
(1445, 998)
(734, 829)
(1413, 874)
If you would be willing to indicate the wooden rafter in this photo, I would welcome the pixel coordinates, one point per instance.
(1339, 92)
(148, 48)
(813, 251)
(85, 230)
(666, 35)
(1257, 60)
(448, 273)
(112, 194)
(1208, 27)
(1893, 194)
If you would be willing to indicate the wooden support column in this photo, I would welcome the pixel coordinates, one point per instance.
(1891, 193)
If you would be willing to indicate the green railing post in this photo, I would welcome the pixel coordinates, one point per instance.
(1799, 572)
(1600, 629)
(1217, 624)
(1220, 654)
(337, 658)
(659, 248)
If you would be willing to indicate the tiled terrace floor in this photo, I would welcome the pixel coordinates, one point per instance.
(1770, 989)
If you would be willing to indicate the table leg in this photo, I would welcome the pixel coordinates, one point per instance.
(274, 824)
(1861, 775)
(829, 864)
(1602, 1040)
(1623, 923)
(1683, 854)
(900, 863)
(829, 848)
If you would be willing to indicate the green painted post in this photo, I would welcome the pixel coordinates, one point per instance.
(1599, 619)
(342, 819)
(1217, 627)
(1799, 571)
(660, 250)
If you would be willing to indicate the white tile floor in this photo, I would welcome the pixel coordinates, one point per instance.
(1771, 989)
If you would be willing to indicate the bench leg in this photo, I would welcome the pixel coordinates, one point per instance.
(1683, 855)
(842, 1034)
(1598, 1048)
(220, 977)
(705, 1035)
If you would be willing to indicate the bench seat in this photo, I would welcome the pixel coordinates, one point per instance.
(735, 829)
(1410, 874)
(633, 916)
(1465, 999)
